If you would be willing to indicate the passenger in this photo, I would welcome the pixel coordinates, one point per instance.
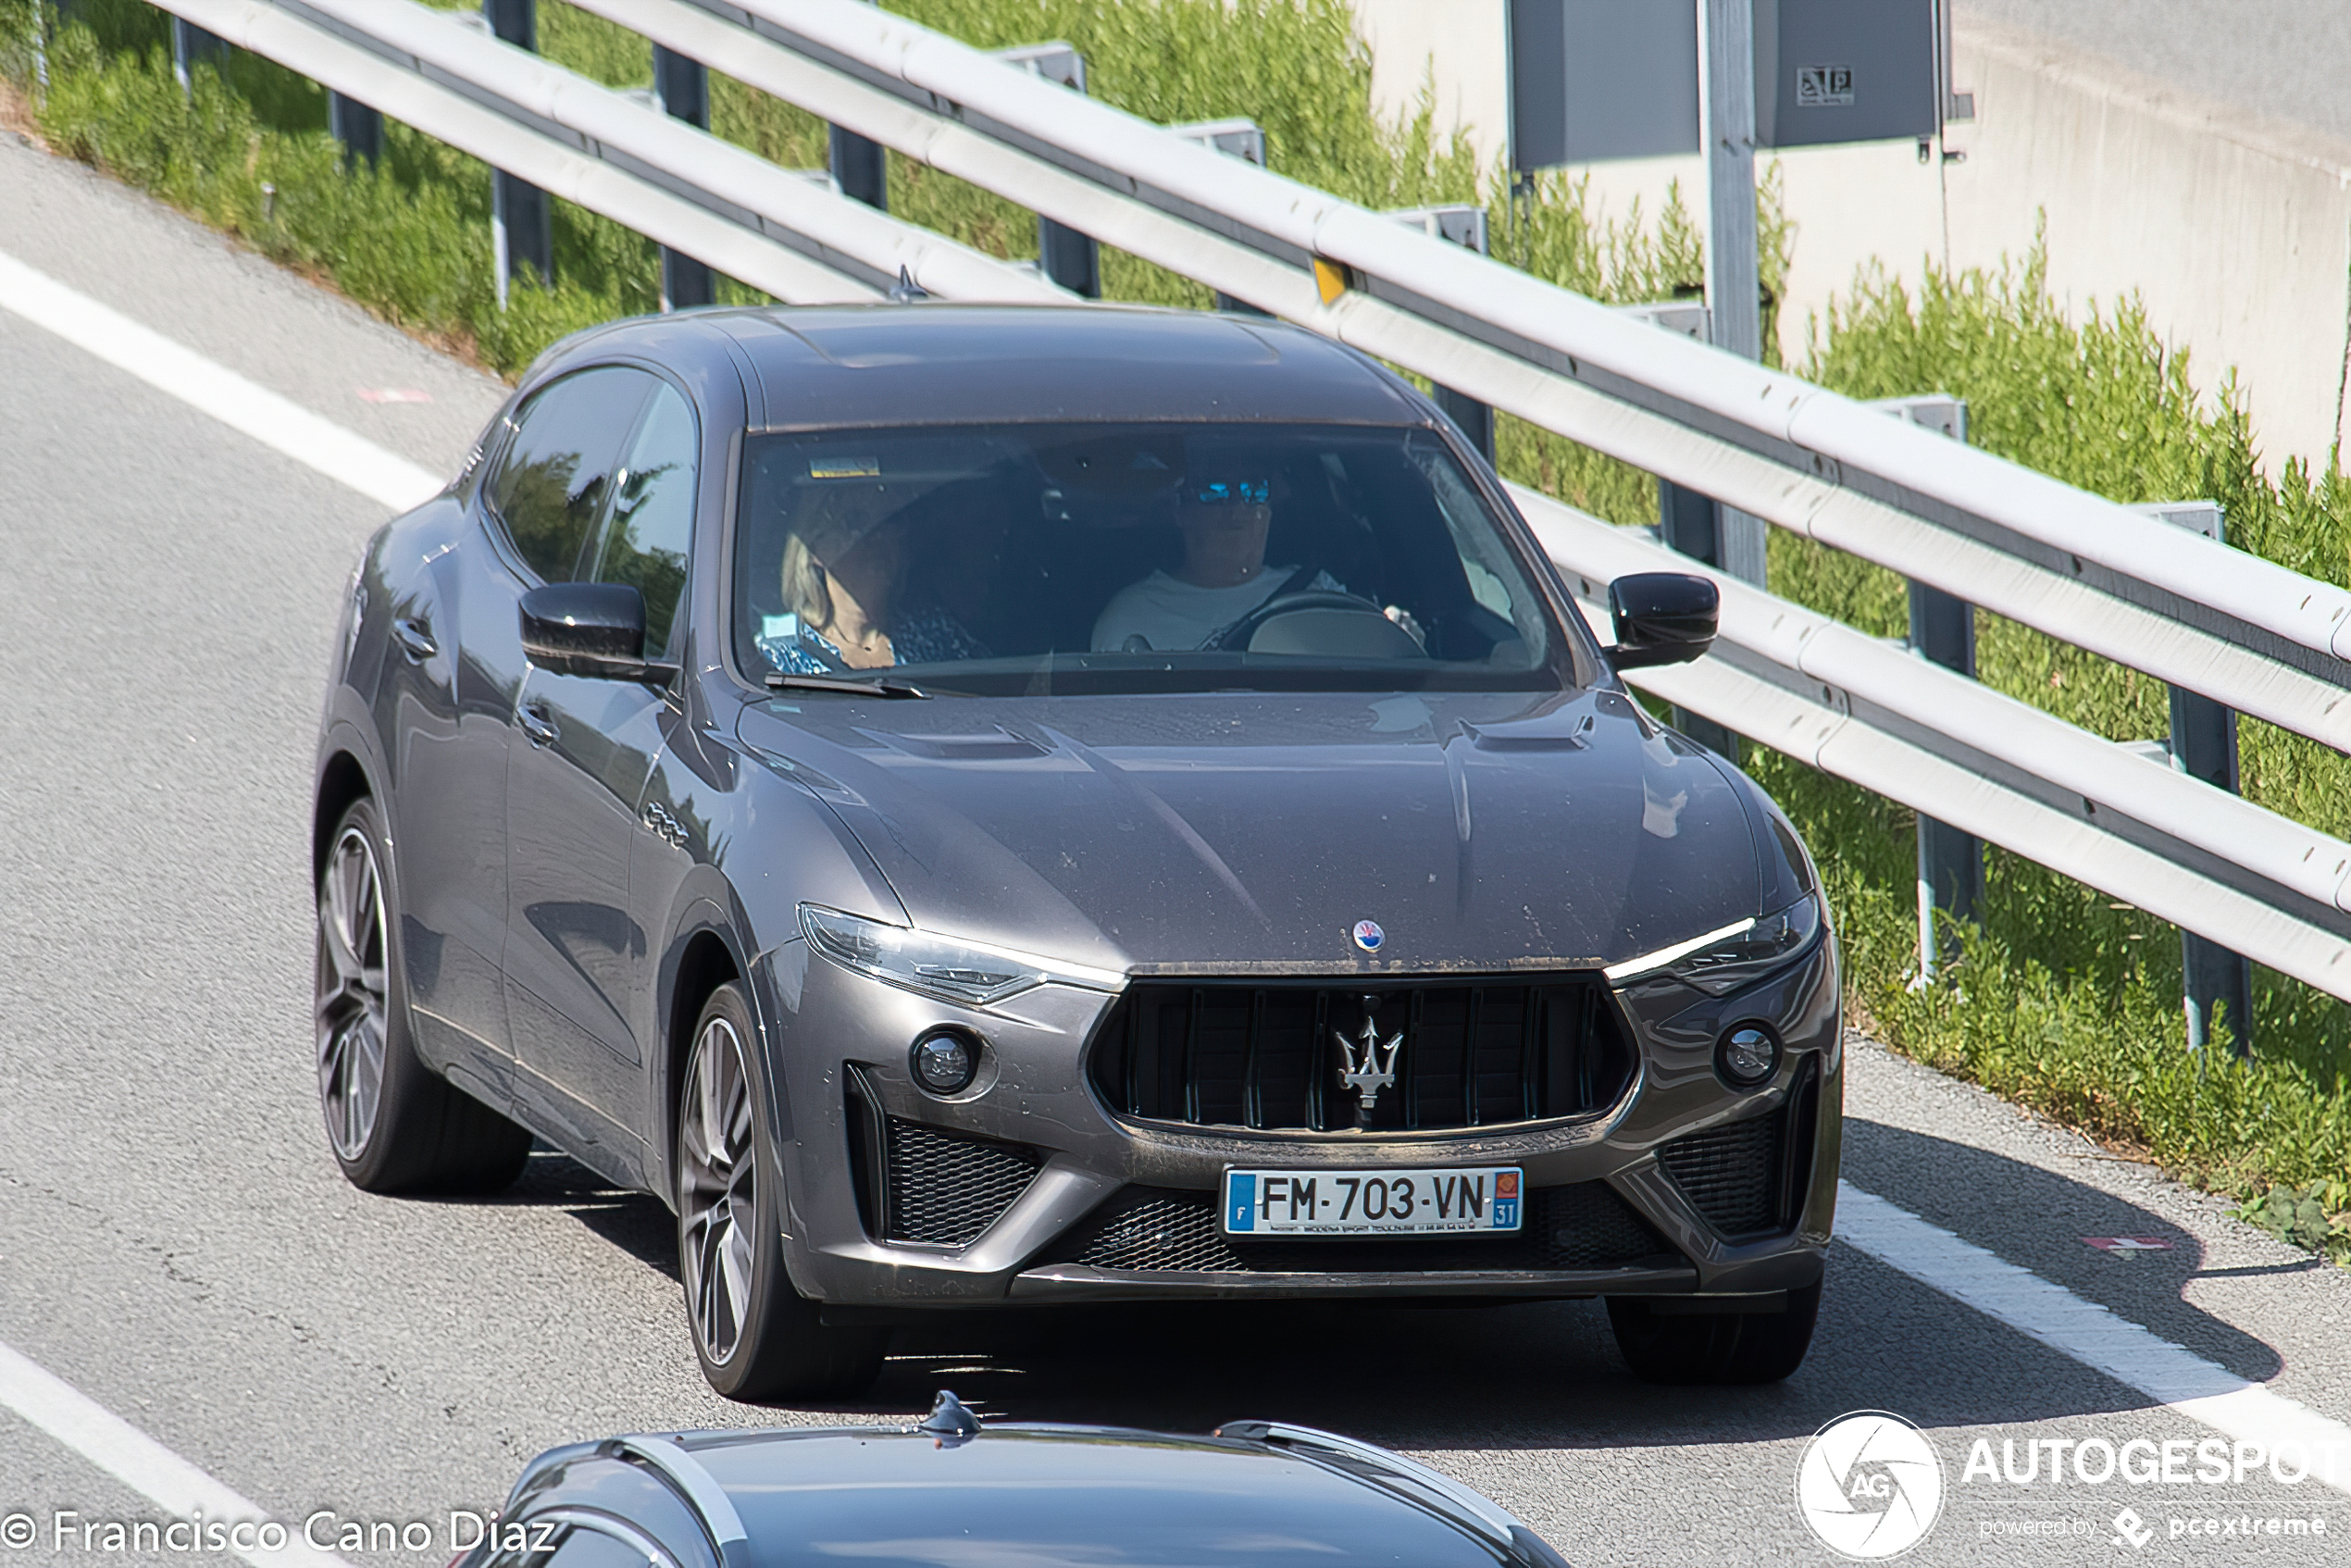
(1223, 578)
(844, 571)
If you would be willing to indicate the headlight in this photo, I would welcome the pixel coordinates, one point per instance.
(1721, 962)
(940, 966)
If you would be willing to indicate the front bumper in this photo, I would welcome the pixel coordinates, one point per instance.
(1026, 1189)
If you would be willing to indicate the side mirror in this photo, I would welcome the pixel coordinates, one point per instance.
(592, 628)
(1661, 618)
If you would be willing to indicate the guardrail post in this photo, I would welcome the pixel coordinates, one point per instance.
(1464, 225)
(2214, 980)
(861, 168)
(681, 86)
(1941, 632)
(1063, 254)
(522, 230)
(1687, 520)
(357, 127)
(191, 43)
(1242, 138)
(1733, 288)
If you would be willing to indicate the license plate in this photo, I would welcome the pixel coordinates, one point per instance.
(1383, 1202)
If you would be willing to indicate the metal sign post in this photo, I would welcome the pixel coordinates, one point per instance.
(1733, 289)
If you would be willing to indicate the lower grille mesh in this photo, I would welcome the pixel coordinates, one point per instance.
(1731, 1175)
(947, 1187)
(1583, 1226)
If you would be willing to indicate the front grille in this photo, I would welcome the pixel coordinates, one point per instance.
(947, 1187)
(1583, 1226)
(1475, 1052)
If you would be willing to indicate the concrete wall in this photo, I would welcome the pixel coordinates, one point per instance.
(2235, 231)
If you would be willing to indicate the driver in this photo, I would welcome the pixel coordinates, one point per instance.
(1223, 576)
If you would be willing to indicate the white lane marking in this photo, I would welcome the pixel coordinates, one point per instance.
(2170, 1375)
(129, 1455)
(275, 422)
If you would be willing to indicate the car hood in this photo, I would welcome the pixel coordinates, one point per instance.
(1237, 832)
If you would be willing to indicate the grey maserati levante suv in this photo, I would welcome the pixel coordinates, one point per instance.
(989, 807)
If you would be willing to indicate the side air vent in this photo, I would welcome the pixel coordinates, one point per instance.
(945, 1188)
(1747, 1178)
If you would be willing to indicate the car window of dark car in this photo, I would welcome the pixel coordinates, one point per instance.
(647, 534)
(551, 480)
(1067, 558)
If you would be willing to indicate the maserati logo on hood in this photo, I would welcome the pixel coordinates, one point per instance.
(1368, 935)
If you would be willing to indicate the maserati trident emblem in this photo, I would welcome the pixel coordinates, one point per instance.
(1368, 1064)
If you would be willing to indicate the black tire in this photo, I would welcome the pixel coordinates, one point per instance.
(1715, 1346)
(758, 1338)
(392, 1124)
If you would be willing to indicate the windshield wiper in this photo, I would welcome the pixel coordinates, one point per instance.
(781, 682)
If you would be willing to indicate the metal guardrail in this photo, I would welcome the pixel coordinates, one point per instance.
(2241, 630)
(1870, 712)
(770, 226)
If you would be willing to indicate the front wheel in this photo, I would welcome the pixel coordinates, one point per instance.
(758, 1338)
(394, 1127)
(1715, 1346)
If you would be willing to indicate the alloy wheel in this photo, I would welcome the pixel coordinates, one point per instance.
(717, 1189)
(352, 1006)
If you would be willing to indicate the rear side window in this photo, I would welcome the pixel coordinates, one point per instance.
(552, 481)
(646, 539)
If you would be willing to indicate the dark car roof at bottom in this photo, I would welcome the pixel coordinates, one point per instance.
(1045, 1497)
(925, 364)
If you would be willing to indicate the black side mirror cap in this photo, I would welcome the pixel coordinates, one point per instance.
(1662, 618)
(591, 629)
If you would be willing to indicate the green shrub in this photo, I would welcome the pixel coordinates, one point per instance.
(2064, 1000)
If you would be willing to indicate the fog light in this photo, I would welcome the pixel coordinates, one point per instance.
(945, 1063)
(1747, 1055)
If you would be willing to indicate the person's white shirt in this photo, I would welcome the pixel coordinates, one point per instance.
(1173, 614)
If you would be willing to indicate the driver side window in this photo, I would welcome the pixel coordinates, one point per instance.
(647, 537)
(553, 480)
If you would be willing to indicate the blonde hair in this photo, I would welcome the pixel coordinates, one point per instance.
(805, 594)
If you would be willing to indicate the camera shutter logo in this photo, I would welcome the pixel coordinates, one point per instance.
(1870, 1485)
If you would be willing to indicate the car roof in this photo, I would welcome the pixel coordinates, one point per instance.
(938, 363)
(902, 1497)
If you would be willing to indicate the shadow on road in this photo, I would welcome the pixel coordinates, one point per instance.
(1546, 1375)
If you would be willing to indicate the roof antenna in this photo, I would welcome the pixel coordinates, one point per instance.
(949, 1422)
(905, 292)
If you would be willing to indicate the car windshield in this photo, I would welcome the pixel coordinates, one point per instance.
(1082, 558)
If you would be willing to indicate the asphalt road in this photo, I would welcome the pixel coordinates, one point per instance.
(176, 1243)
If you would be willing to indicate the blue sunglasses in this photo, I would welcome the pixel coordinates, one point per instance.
(1239, 493)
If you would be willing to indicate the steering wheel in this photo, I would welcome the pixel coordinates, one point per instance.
(1237, 636)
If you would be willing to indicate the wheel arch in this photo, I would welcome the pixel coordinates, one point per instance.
(705, 959)
(342, 780)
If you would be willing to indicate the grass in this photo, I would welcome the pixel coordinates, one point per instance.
(2061, 1000)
